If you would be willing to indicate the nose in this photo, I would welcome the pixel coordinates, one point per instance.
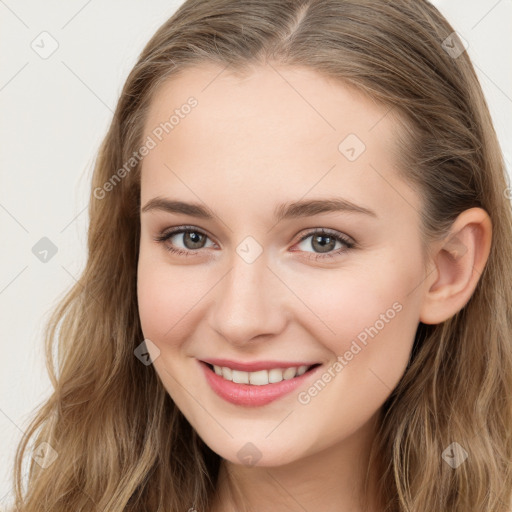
(250, 302)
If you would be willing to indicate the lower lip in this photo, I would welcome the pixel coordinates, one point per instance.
(252, 395)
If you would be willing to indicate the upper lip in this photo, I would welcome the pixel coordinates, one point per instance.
(255, 366)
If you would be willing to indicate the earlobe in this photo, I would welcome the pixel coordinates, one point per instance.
(459, 261)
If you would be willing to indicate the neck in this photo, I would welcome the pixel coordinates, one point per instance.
(331, 480)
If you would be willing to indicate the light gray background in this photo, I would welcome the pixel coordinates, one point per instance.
(55, 112)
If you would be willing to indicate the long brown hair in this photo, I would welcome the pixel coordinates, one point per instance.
(121, 443)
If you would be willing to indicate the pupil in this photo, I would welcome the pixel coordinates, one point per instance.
(324, 247)
(194, 238)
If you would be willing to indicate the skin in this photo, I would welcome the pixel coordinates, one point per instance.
(250, 144)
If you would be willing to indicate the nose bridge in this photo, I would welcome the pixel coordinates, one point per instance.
(247, 300)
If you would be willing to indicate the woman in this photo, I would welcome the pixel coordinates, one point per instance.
(297, 293)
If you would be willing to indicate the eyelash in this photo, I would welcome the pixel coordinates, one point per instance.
(349, 244)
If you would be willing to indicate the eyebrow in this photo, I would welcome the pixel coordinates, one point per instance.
(290, 210)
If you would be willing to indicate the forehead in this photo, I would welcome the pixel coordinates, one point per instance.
(272, 129)
(271, 97)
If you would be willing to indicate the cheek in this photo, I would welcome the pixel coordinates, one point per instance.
(374, 317)
(366, 308)
(169, 301)
(168, 298)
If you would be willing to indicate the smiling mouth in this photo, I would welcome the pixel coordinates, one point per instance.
(260, 377)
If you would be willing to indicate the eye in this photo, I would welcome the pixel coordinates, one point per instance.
(190, 237)
(324, 241)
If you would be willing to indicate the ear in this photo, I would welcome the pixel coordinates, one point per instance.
(458, 262)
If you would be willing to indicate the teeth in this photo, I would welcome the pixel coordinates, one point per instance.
(240, 377)
(258, 378)
(261, 377)
(227, 373)
(289, 373)
(301, 370)
(275, 375)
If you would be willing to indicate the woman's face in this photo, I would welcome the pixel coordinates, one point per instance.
(299, 246)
